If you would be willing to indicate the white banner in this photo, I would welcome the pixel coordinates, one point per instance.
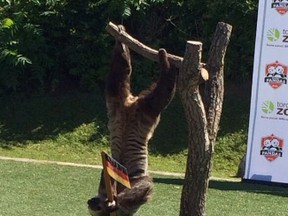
(267, 149)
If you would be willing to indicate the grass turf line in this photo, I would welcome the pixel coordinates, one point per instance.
(30, 189)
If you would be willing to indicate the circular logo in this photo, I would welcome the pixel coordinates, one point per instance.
(267, 107)
(273, 34)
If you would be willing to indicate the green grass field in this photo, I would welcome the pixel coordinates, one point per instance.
(29, 189)
(73, 128)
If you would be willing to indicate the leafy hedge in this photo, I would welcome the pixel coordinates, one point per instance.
(55, 45)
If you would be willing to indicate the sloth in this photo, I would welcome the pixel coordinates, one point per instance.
(132, 121)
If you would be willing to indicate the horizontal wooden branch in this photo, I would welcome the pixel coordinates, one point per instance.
(139, 47)
(148, 52)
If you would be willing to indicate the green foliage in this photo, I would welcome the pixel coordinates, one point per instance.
(21, 58)
(58, 45)
(229, 150)
(242, 15)
(49, 44)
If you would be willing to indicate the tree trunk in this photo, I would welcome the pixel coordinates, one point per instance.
(203, 121)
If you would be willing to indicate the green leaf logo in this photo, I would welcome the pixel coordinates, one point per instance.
(267, 107)
(273, 34)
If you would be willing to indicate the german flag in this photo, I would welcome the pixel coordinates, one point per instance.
(116, 171)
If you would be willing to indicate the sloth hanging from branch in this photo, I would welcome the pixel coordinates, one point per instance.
(132, 121)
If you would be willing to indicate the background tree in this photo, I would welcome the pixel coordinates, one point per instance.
(50, 46)
(202, 117)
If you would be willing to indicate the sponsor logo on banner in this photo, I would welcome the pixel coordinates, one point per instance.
(277, 37)
(274, 110)
(281, 6)
(276, 74)
(273, 34)
(271, 147)
(267, 107)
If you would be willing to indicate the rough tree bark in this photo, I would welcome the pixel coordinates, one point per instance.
(202, 119)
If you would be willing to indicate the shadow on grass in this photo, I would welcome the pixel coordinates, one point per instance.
(232, 186)
(171, 134)
(172, 181)
(249, 187)
(173, 126)
(40, 118)
(235, 115)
